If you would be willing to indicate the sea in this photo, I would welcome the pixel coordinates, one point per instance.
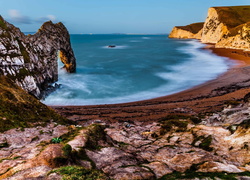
(139, 67)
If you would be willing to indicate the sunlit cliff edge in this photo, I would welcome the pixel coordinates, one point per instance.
(226, 27)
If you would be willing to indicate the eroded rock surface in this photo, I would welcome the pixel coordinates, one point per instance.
(31, 61)
(226, 27)
(219, 144)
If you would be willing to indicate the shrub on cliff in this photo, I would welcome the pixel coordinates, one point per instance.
(19, 109)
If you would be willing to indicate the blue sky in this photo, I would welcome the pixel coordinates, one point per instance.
(110, 16)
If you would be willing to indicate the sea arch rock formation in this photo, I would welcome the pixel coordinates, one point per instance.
(31, 60)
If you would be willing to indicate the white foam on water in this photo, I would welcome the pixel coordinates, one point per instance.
(146, 38)
(200, 66)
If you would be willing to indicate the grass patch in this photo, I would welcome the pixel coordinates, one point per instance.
(205, 142)
(24, 52)
(73, 132)
(245, 124)
(194, 28)
(79, 173)
(18, 109)
(95, 133)
(177, 123)
(3, 24)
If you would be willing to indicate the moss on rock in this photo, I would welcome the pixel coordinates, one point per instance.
(18, 109)
(80, 173)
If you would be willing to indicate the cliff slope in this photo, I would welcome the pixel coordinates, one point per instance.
(31, 61)
(226, 27)
(18, 109)
(192, 31)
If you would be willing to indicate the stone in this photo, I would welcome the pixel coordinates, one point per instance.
(218, 167)
(79, 141)
(31, 61)
(160, 169)
(37, 173)
(133, 173)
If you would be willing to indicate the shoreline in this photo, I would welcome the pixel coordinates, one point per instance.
(207, 97)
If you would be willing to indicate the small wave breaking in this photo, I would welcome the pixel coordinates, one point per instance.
(137, 74)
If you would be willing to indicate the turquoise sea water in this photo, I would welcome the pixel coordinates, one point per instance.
(139, 67)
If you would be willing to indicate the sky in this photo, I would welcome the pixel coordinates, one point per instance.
(109, 16)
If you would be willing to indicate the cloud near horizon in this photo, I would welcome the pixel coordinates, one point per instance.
(47, 18)
(18, 18)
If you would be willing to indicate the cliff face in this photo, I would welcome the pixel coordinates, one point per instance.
(192, 31)
(227, 27)
(31, 61)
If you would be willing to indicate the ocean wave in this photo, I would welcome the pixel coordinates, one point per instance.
(99, 83)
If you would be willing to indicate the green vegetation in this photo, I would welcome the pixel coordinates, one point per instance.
(2, 23)
(177, 123)
(73, 132)
(213, 175)
(95, 133)
(173, 124)
(245, 124)
(56, 140)
(23, 72)
(24, 52)
(5, 144)
(193, 28)
(67, 150)
(79, 173)
(18, 109)
(205, 142)
(234, 16)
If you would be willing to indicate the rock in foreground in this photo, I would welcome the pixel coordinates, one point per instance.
(174, 148)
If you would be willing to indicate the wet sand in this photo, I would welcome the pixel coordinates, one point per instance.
(205, 98)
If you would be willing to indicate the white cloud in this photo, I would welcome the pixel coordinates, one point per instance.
(52, 17)
(46, 18)
(18, 18)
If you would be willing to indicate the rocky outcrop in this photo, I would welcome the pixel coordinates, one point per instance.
(173, 148)
(192, 31)
(31, 61)
(226, 27)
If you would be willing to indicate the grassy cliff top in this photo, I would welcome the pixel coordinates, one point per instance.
(233, 16)
(194, 28)
(19, 109)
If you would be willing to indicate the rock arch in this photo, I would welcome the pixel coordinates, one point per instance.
(31, 61)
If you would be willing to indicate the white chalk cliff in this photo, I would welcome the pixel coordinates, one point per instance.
(31, 61)
(226, 27)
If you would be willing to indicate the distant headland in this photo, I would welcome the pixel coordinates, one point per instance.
(226, 27)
